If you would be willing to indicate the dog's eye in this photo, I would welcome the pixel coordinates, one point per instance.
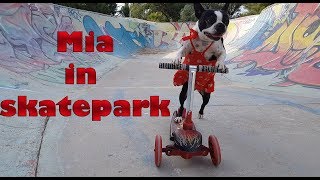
(208, 21)
(225, 21)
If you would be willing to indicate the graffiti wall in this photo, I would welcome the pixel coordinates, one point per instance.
(28, 40)
(282, 47)
(277, 49)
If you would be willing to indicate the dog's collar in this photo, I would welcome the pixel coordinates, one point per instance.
(193, 35)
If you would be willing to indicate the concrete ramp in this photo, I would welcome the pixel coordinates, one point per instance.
(265, 112)
(280, 51)
(277, 49)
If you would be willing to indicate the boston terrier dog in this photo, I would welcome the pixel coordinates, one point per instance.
(207, 39)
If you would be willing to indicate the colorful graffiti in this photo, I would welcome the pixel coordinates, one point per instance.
(28, 38)
(288, 47)
(282, 41)
(237, 28)
(28, 41)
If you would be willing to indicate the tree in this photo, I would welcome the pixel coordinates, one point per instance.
(125, 10)
(169, 10)
(160, 12)
(138, 10)
(156, 17)
(105, 8)
(187, 13)
(255, 8)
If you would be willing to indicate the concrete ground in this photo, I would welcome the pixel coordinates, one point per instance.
(261, 132)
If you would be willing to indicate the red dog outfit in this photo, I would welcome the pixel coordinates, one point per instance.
(204, 80)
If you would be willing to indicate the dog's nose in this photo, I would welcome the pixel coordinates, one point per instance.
(220, 27)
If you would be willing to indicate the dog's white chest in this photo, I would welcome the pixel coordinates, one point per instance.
(215, 49)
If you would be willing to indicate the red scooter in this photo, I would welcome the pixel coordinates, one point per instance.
(187, 140)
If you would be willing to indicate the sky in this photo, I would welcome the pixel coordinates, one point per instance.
(120, 5)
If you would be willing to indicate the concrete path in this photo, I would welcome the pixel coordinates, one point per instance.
(261, 132)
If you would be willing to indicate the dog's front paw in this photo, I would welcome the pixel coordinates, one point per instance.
(200, 116)
(178, 119)
(220, 65)
(177, 60)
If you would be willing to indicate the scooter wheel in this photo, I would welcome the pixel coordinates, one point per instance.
(214, 149)
(158, 150)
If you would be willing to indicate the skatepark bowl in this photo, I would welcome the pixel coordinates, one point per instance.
(265, 112)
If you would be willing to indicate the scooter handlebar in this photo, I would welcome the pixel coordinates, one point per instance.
(200, 68)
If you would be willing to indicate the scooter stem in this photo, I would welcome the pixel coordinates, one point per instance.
(188, 124)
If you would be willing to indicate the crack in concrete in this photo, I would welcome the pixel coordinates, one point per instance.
(38, 155)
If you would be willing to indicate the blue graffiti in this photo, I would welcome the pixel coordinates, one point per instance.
(90, 25)
(75, 13)
(258, 39)
(254, 72)
(121, 35)
(56, 9)
(133, 41)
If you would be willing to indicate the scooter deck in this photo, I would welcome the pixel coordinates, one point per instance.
(175, 126)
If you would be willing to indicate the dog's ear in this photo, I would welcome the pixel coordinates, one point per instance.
(225, 7)
(198, 9)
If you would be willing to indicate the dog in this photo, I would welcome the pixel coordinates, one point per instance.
(210, 27)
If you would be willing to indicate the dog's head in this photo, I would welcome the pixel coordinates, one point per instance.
(212, 24)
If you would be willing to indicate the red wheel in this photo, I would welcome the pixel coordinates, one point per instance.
(214, 149)
(158, 150)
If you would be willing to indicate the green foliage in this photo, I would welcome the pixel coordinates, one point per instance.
(170, 10)
(157, 17)
(125, 10)
(138, 10)
(187, 14)
(160, 12)
(164, 12)
(255, 8)
(105, 8)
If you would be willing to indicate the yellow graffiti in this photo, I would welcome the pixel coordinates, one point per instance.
(293, 35)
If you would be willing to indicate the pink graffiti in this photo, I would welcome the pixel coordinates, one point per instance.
(292, 49)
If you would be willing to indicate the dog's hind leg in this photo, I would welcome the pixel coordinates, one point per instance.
(182, 99)
(205, 101)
